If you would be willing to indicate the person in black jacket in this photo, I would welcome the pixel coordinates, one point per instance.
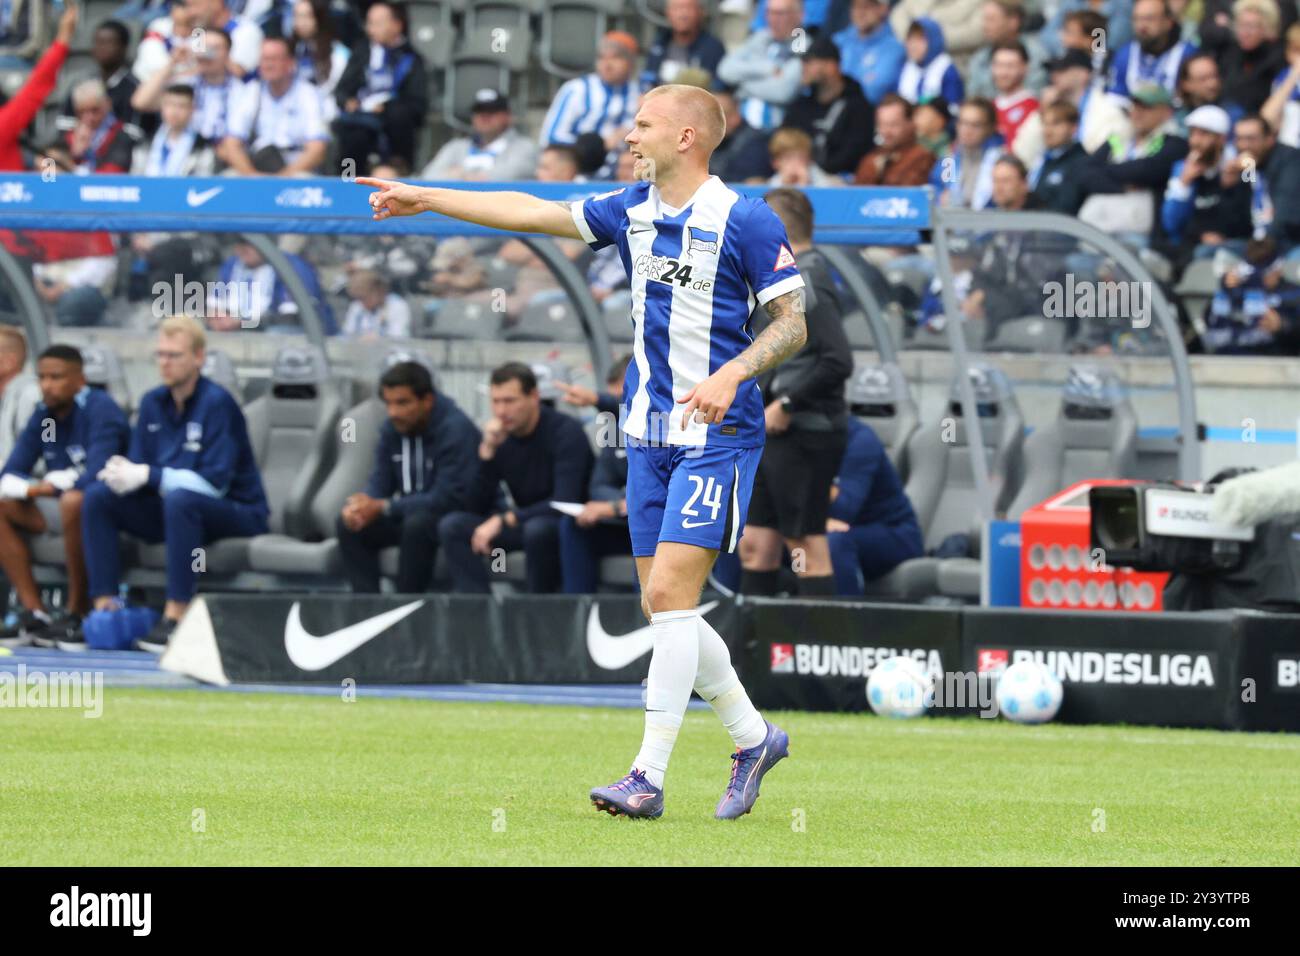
(424, 463)
(834, 111)
(742, 156)
(806, 428)
(543, 456)
(1055, 177)
(383, 92)
(600, 530)
(683, 43)
(1275, 183)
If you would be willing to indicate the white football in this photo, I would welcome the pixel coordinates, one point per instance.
(1029, 693)
(900, 687)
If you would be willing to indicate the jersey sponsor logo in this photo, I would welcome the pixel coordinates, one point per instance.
(702, 240)
(784, 259)
(670, 272)
(315, 653)
(614, 652)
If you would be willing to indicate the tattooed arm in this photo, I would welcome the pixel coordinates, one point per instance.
(511, 211)
(784, 336)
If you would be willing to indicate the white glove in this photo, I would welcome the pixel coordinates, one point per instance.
(12, 486)
(64, 479)
(122, 476)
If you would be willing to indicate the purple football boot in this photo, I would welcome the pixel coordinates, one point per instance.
(747, 772)
(633, 796)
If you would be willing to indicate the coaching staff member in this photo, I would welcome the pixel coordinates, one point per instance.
(806, 427)
(424, 466)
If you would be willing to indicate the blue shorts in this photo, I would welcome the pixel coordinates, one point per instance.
(688, 494)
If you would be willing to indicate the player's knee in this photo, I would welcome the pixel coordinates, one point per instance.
(70, 503)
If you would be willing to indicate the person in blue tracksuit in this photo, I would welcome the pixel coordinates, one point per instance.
(73, 432)
(189, 479)
(872, 527)
(425, 464)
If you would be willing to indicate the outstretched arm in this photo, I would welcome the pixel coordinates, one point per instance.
(784, 336)
(511, 211)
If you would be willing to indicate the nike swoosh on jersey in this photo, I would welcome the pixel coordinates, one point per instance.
(694, 524)
(614, 653)
(312, 653)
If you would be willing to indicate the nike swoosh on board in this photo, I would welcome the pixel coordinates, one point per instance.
(616, 652)
(312, 653)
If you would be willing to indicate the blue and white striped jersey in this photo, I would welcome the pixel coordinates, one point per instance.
(696, 275)
(586, 104)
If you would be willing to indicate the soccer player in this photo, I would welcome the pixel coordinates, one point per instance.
(698, 257)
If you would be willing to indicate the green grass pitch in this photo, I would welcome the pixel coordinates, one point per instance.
(215, 779)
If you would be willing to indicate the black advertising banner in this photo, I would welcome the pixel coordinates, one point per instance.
(817, 655)
(1268, 694)
(1172, 668)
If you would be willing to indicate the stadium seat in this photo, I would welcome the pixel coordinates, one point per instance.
(292, 431)
(617, 312)
(103, 369)
(480, 63)
(431, 32)
(1032, 333)
(879, 395)
(1197, 287)
(218, 367)
(462, 319)
(571, 34)
(93, 13)
(547, 319)
(941, 483)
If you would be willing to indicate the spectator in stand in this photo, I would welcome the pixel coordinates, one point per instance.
(1002, 22)
(245, 35)
(1100, 118)
(1274, 182)
(929, 72)
(496, 152)
(1199, 84)
(806, 423)
(19, 391)
(932, 120)
(1054, 178)
(683, 43)
(833, 112)
(1138, 169)
(425, 460)
(1218, 23)
(374, 310)
(162, 38)
(1282, 108)
(765, 70)
(17, 114)
(1019, 124)
(108, 48)
(176, 149)
(1155, 54)
(1255, 57)
(792, 158)
(249, 293)
(899, 160)
(98, 140)
(963, 178)
(958, 23)
(274, 126)
(207, 70)
(1201, 212)
(383, 94)
(322, 56)
(1075, 25)
(542, 455)
(742, 156)
(600, 529)
(813, 17)
(1255, 311)
(72, 432)
(602, 102)
(190, 478)
(870, 52)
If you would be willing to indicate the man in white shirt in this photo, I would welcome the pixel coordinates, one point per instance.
(275, 125)
(496, 152)
(19, 392)
(245, 35)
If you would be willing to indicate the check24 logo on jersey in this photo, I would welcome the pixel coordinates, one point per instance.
(671, 272)
(709, 493)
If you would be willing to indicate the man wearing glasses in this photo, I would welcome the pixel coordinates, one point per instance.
(189, 479)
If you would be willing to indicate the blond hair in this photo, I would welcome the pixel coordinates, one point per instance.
(787, 139)
(187, 326)
(697, 108)
(1267, 11)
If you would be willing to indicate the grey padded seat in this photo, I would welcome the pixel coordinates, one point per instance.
(571, 34)
(879, 395)
(103, 369)
(942, 485)
(617, 312)
(431, 31)
(462, 319)
(292, 431)
(547, 319)
(353, 460)
(1029, 334)
(218, 368)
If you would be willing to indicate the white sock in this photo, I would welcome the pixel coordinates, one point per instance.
(717, 683)
(668, 688)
